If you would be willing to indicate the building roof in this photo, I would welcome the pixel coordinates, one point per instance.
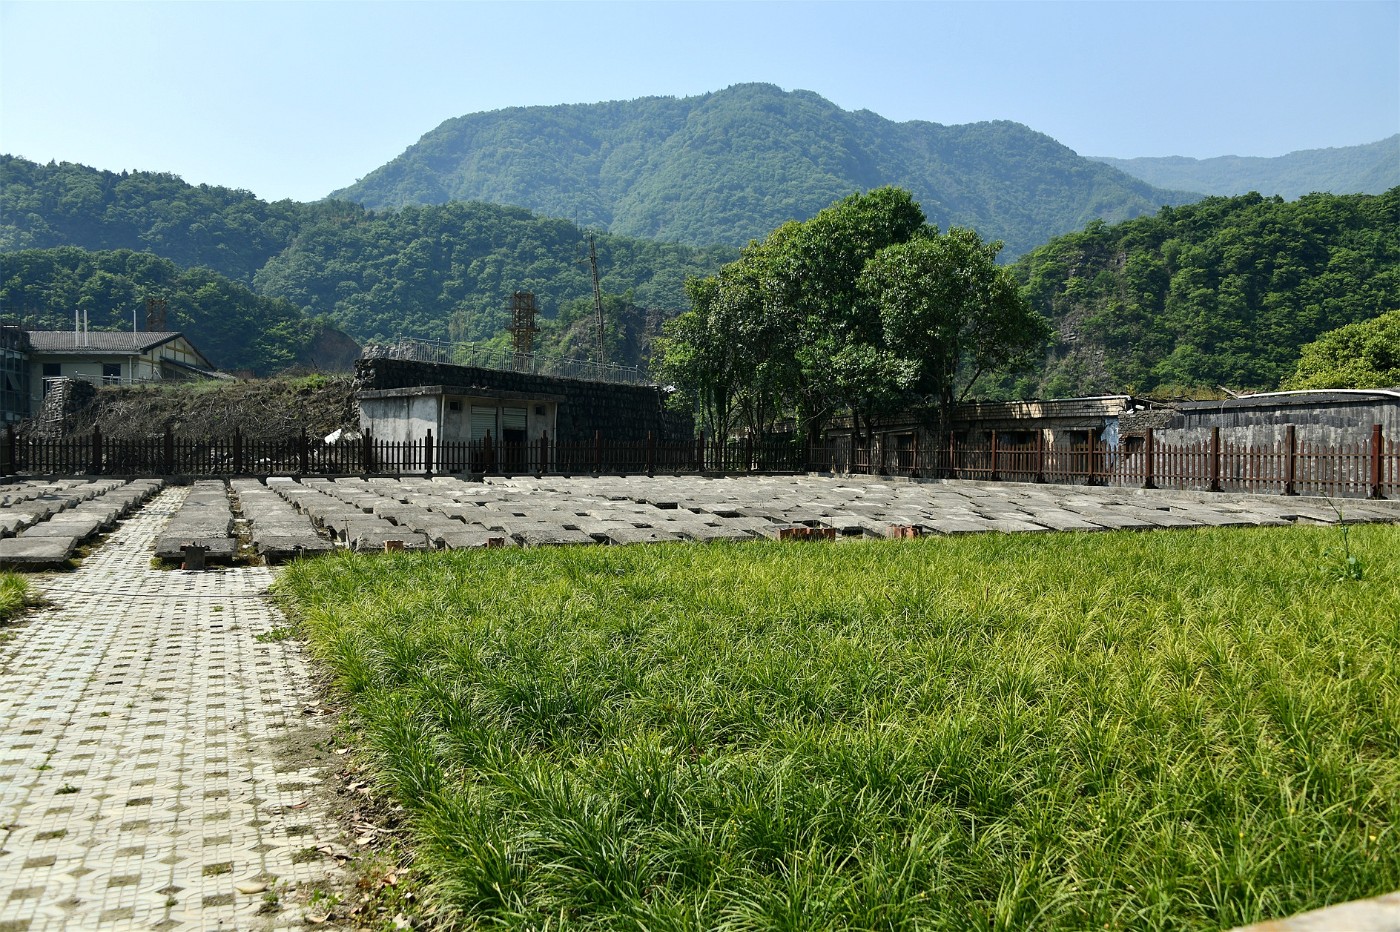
(1324, 396)
(99, 342)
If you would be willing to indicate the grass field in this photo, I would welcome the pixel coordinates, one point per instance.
(1165, 730)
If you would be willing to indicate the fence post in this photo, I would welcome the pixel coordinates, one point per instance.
(700, 451)
(1092, 446)
(1040, 454)
(237, 451)
(651, 454)
(748, 453)
(367, 451)
(428, 453)
(1290, 462)
(1215, 459)
(952, 456)
(303, 453)
(995, 474)
(544, 452)
(597, 451)
(168, 452)
(1149, 466)
(95, 465)
(1376, 443)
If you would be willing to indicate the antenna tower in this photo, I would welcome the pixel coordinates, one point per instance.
(597, 299)
(522, 326)
(155, 314)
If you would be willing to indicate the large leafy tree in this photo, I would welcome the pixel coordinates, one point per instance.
(864, 308)
(1362, 355)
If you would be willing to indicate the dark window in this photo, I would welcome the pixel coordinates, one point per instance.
(111, 373)
(52, 370)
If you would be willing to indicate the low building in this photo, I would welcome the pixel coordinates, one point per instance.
(401, 400)
(111, 358)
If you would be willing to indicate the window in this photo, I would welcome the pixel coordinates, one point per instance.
(454, 406)
(111, 373)
(52, 370)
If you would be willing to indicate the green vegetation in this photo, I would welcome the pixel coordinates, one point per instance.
(14, 595)
(232, 326)
(442, 272)
(1368, 169)
(727, 167)
(957, 733)
(1364, 355)
(1224, 292)
(863, 308)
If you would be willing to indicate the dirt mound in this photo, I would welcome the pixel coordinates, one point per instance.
(262, 408)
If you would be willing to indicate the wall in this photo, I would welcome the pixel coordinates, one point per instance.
(1320, 417)
(400, 419)
(618, 412)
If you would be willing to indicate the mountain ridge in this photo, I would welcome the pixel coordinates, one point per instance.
(726, 167)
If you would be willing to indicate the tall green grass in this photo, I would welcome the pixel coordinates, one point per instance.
(14, 595)
(1162, 730)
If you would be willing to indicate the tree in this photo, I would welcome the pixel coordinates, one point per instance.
(863, 308)
(1363, 355)
(950, 314)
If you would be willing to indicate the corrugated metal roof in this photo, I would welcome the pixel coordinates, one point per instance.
(98, 341)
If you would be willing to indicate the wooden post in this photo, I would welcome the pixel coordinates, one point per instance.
(952, 456)
(367, 451)
(1040, 454)
(237, 452)
(1149, 466)
(1290, 460)
(996, 476)
(303, 453)
(700, 451)
(95, 464)
(428, 453)
(597, 451)
(748, 452)
(1215, 459)
(1092, 446)
(651, 454)
(1377, 440)
(168, 452)
(544, 452)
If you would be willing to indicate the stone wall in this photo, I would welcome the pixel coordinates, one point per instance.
(618, 412)
(65, 398)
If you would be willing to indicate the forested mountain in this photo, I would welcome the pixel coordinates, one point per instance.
(728, 167)
(235, 328)
(432, 272)
(1370, 169)
(1223, 292)
(65, 204)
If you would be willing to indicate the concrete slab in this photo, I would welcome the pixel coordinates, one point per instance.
(36, 551)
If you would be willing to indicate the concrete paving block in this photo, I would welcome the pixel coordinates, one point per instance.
(36, 551)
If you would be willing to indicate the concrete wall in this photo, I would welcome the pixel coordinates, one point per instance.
(400, 419)
(1328, 418)
(618, 412)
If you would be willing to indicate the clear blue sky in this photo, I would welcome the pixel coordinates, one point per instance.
(298, 99)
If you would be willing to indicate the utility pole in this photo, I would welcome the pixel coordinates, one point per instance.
(597, 298)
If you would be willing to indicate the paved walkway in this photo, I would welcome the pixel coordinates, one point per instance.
(142, 779)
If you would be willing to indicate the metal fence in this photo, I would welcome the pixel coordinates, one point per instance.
(1367, 467)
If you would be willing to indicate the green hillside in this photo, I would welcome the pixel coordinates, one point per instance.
(444, 271)
(1220, 293)
(727, 167)
(1370, 169)
(235, 328)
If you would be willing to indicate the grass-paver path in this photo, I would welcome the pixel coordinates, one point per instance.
(142, 779)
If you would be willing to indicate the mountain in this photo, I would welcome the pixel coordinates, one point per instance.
(1369, 169)
(1224, 292)
(727, 167)
(438, 272)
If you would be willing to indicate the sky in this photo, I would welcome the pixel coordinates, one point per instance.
(297, 99)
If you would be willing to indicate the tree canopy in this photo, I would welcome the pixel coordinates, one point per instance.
(863, 308)
(1363, 355)
(1220, 293)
